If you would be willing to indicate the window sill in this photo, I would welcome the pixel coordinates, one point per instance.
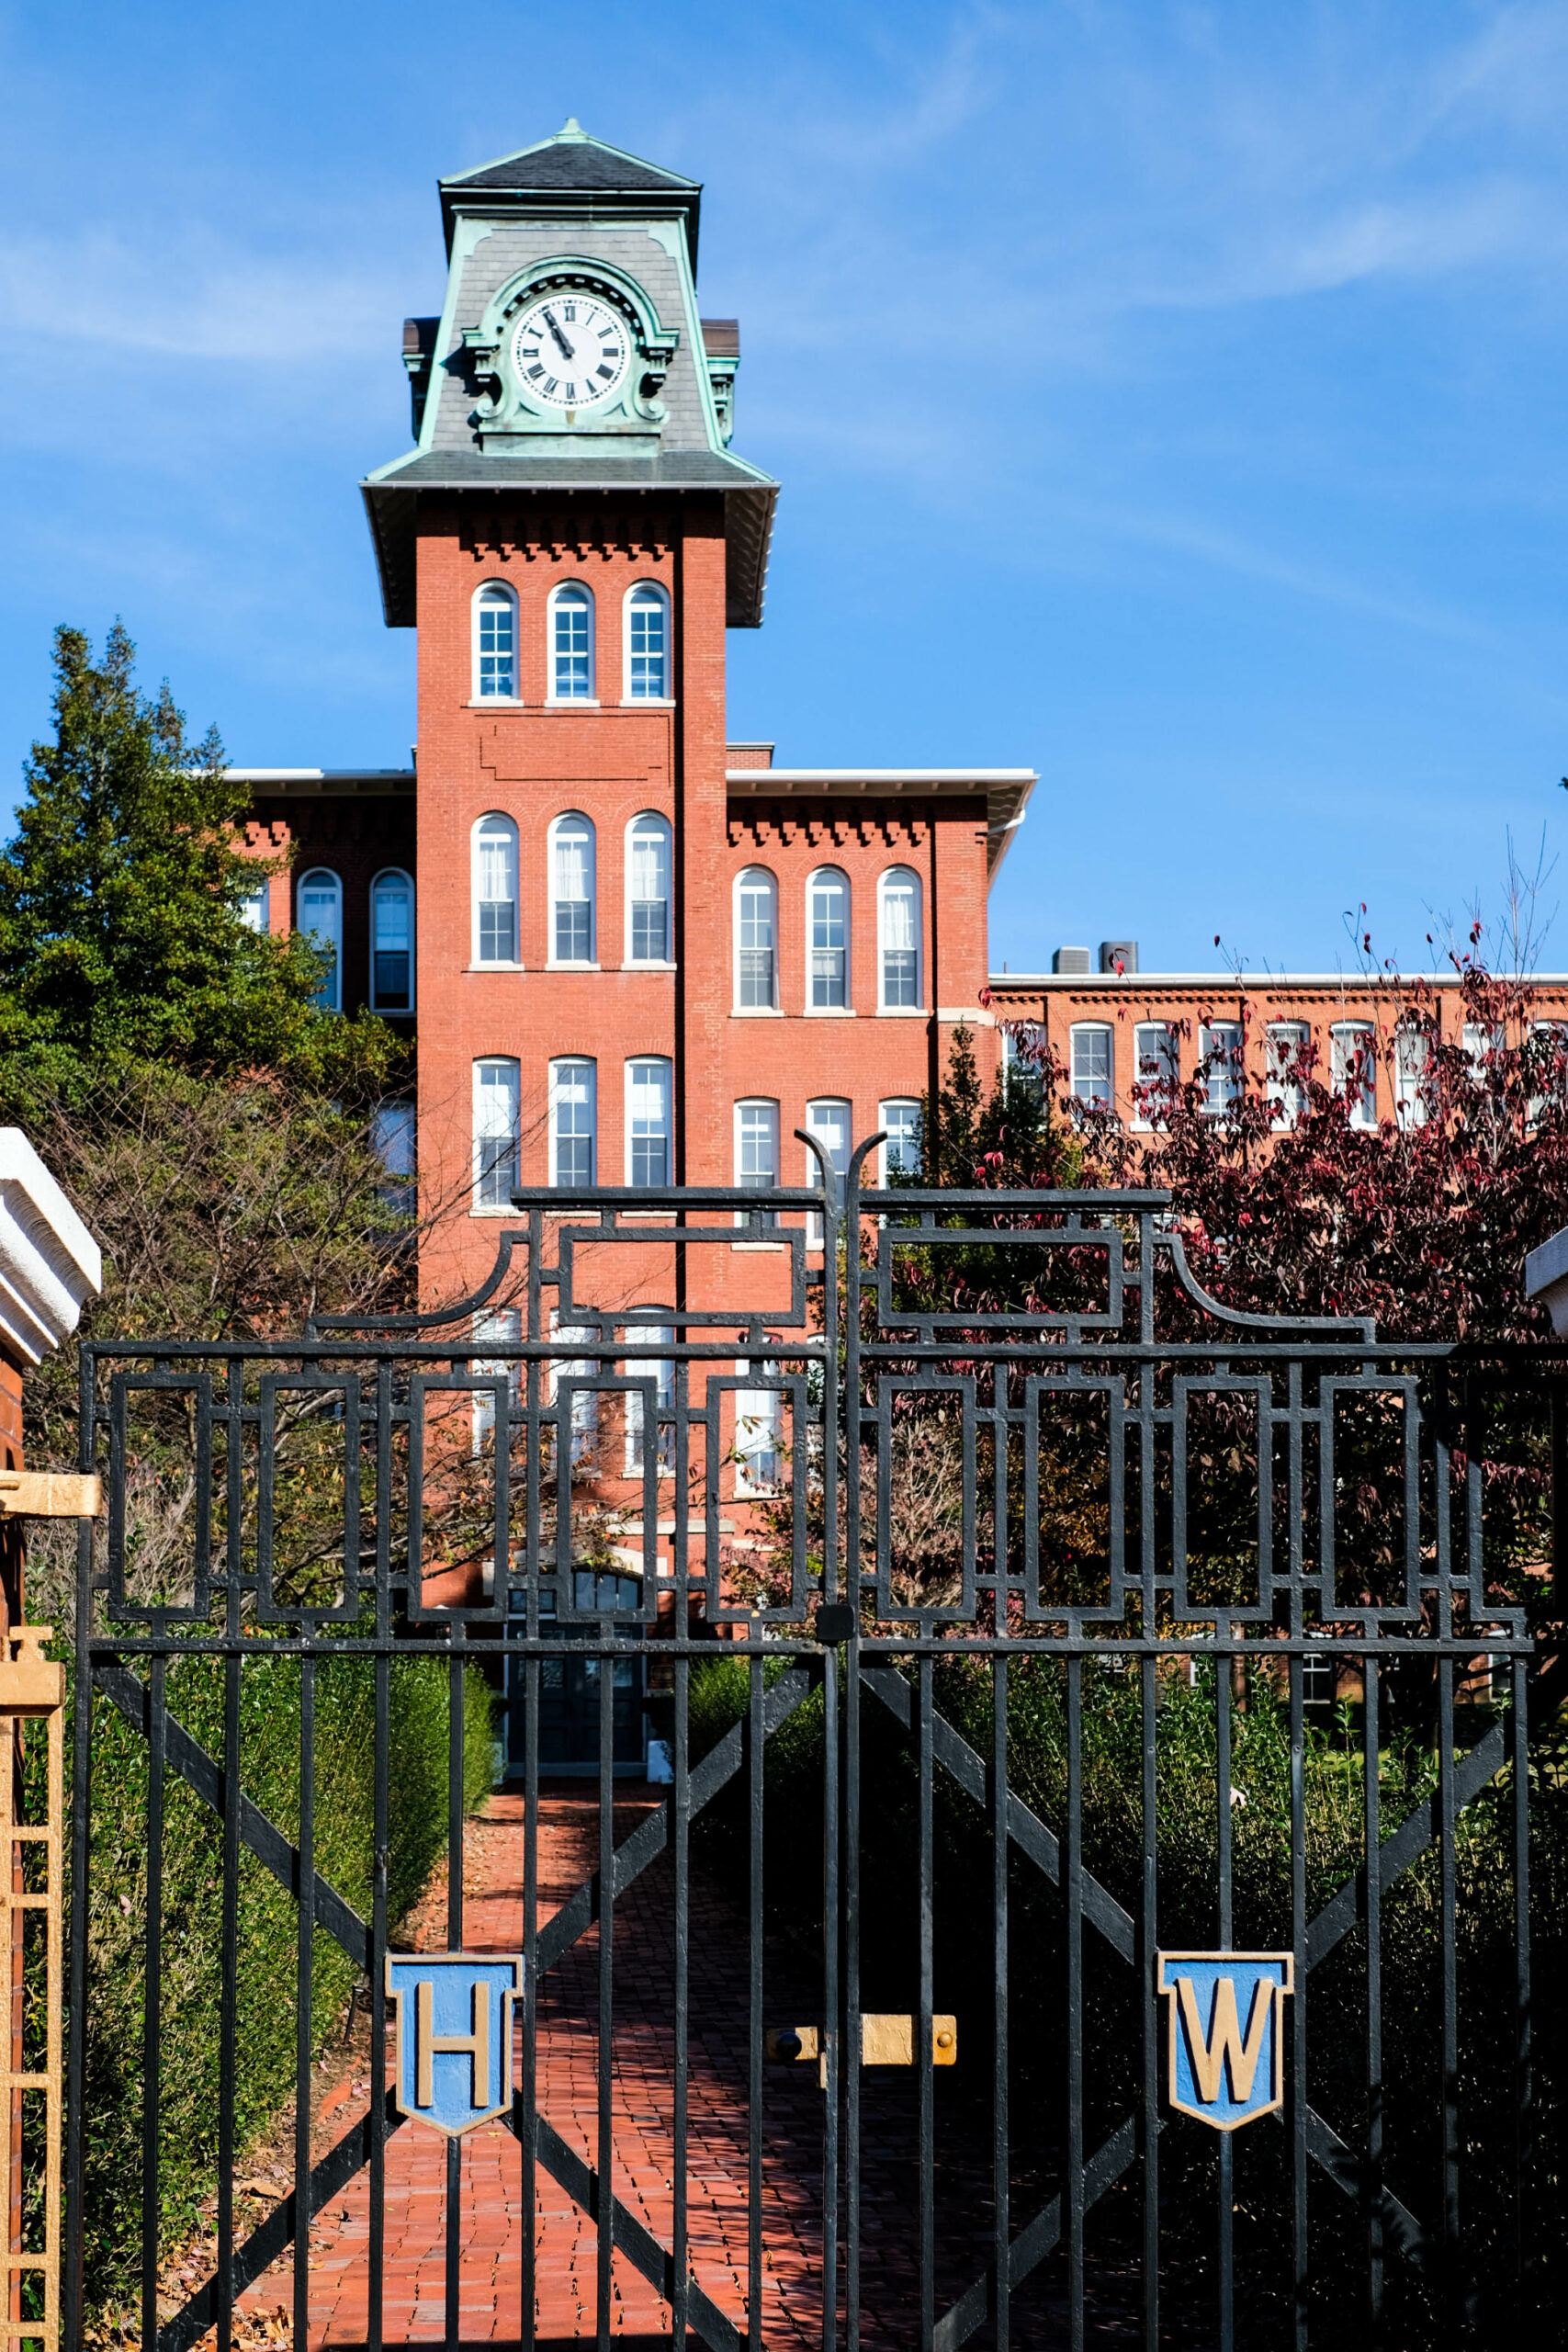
(827, 1012)
(393, 1011)
(647, 702)
(571, 702)
(496, 702)
(649, 965)
(551, 965)
(755, 1012)
(778, 1247)
(495, 967)
(902, 1012)
(507, 1211)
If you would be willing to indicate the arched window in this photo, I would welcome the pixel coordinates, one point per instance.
(573, 1122)
(647, 643)
(321, 919)
(756, 935)
(571, 644)
(647, 891)
(391, 943)
(495, 889)
(495, 644)
(497, 1107)
(899, 976)
(571, 890)
(648, 1121)
(828, 941)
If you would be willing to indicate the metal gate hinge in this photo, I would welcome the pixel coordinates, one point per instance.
(886, 2040)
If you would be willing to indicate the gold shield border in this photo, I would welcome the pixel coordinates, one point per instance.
(508, 2001)
(1277, 1993)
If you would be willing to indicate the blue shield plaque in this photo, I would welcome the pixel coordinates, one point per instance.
(452, 2035)
(1227, 2046)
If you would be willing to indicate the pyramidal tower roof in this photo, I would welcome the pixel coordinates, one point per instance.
(572, 173)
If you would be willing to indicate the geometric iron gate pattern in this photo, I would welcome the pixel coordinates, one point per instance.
(1136, 1493)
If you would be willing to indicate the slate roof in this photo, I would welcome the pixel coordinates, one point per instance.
(392, 500)
(568, 166)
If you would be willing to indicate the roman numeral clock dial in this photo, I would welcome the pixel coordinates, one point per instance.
(570, 350)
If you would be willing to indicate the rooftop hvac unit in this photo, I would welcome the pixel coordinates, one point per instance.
(1118, 954)
(1071, 959)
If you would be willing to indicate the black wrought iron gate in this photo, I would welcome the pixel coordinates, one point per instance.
(1007, 1629)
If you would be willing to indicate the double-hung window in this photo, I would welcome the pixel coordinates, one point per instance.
(393, 1141)
(254, 910)
(391, 943)
(495, 890)
(1219, 1051)
(1412, 1076)
(497, 1102)
(1092, 1070)
(503, 1327)
(901, 1153)
(830, 1123)
(572, 876)
(827, 917)
(572, 1122)
(579, 1376)
(1288, 1041)
(898, 939)
(647, 644)
(571, 644)
(321, 919)
(758, 1423)
(661, 1373)
(1156, 1070)
(1354, 1069)
(495, 644)
(757, 1155)
(648, 863)
(648, 1121)
(756, 912)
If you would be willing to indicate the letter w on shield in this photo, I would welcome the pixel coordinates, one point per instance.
(1226, 2037)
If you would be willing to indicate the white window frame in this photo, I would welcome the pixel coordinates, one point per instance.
(1224, 1084)
(1076, 1080)
(816, 1231)
(898, 1103)
(900, 875)
(329, 996)
(559, 1068)
(491, 826)
(642, 828)
(571, 592)
(1347, 1038)
(254, 908)
(757, 1409)
(588, 963)
(828, 877)
(1412, 1076)
(505, 1324)
(1478, 1040)
(645, 592)
(1165, 1052)
(750, 877)
(583, 1432)
(491, 594)
(392, 874)
(662, 1371)
(491, 1074)
(642, 1069)
(394, 1137)
(1556, 1034)
(746, 1128)
(1283, 1088)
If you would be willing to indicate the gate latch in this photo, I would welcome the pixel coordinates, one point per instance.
(886, 2040)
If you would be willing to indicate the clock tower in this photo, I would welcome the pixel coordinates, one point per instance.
(571, 535)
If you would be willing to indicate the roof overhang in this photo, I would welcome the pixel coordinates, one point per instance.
(1006, 792)
(392, 496)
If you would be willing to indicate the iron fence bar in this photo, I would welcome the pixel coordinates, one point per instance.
(457, 1792)
(1373, 1794)
(304, 2004)
(754, 1811)
(1299, 2240)
(375, 2317)
(228, 1995)
(603, 2271)
(923, 2051)
(1001, 2154)
(1073, 1886)
(1524, 2109)
(849, 1898)
(1448, 1910)
(153, 2000)
(1225, 2217)
(830, 1995)
(682, 1822)
(1149, 1944)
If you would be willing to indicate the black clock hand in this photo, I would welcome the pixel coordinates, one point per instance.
(568, 350)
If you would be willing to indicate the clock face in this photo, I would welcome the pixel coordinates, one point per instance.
(569, 349)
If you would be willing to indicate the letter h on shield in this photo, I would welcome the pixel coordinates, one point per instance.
(452, 2034)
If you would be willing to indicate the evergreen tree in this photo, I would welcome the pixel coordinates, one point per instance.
(121, 936)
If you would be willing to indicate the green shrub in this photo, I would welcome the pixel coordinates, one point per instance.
(190, 1947)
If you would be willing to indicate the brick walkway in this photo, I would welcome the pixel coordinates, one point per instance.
(566, 2240)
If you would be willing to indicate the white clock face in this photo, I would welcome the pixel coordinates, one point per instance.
(569, 349)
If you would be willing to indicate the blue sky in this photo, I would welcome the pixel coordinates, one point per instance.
(1169, 397)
